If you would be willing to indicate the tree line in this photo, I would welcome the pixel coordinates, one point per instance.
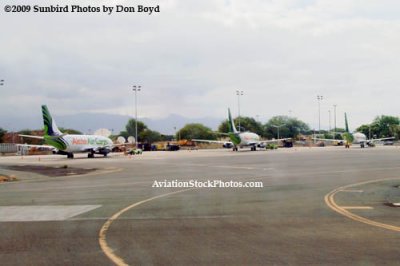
(289, 127)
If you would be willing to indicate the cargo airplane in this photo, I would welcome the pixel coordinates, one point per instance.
(68, 144)
(240, 139)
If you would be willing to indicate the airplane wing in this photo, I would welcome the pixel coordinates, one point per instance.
(31, 136)
(264, 143)
(381, 139)
(41, 137)
(35, 146)
(329, 140)
(209, 141)
(274, 140)
(337, 142)
(225, 144)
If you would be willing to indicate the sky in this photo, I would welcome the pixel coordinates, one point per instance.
(192, 56)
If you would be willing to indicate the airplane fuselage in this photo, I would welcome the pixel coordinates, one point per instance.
(248, 139)
(359, 138)
(80, 143)
(244, 139)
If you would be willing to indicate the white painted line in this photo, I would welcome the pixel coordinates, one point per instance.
(232, 167)
(357, 208)
(42, 213)
(152, 218)
(104, 229)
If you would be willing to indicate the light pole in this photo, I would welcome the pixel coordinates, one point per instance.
(389, 131)
(329, 111)
(238, 93)
(319, 98)
(136, 89)
(278, 127)
(369, 131)
(334, 118)
(175, 132)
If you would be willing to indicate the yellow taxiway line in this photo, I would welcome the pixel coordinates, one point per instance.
(330, 201)
(356, 207)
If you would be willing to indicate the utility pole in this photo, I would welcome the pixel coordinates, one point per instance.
(319, 98)
(329, 111)
(334, 118)
(136, 89)
(278, 127)
(239, 93)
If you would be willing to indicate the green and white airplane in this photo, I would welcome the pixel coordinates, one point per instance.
(355, 138)
(68, 144)
(241, 139)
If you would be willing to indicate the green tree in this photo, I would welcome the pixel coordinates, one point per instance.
(124, 134)
(246, 124)
(113, 137)
(328, 136)
(25, 132)
(289, 127)
(69, 131)
(338, 132)
(196, 131)
(382, 126)
(365, 129)
(131, 129)
(31, 140)
(167, 137)
(149, 136)
(2, 133)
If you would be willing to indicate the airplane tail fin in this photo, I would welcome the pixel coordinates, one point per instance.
(231, 124)
(50, 127)
(347, 135)
(346, 123)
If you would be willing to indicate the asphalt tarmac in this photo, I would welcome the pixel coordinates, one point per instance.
(330, 206)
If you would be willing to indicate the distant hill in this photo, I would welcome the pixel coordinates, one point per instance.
(90, 122)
